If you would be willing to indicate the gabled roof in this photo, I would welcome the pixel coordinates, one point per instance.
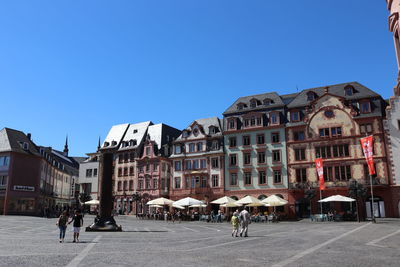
(13, 141)
(136, 131)
(337, 89)
(116, 134)
(246, 100)
(206, 124)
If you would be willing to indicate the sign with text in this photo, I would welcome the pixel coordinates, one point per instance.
(24, 188)
(367, 147)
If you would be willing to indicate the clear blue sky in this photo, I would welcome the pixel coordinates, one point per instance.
(79, 67)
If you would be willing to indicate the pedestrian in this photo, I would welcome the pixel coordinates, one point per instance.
(62, 225)
(235, 224)
(219, 216)
(244, 217)
(78, 222)
(179, 213)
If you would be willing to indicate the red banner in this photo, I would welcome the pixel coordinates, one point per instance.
(367, 144)
(320, 171)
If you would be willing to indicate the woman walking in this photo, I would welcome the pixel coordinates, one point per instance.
(235, 224)
(78, 222)
(62, 225)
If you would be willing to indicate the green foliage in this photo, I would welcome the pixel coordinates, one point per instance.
(310, 194)
(357, 190)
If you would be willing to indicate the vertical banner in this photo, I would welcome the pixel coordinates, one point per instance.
(320, 171)
(367, 147)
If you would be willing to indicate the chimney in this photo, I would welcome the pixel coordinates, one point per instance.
(327, 89)
(29, 136)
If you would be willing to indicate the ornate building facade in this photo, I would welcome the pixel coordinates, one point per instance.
(255, 146)
(198, 161)
(328, 122)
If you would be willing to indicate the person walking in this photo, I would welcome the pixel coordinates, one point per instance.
(62, 225)
(245, 221)
(235, 224)
(78, 222)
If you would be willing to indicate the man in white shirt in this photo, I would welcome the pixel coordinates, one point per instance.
(244, 217)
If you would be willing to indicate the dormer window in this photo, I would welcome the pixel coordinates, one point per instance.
(311, 96)
(213, 130)
(195, 131)
(106, 144)
(349, 90)
(185, 134)
(295, 116)
(365, 107)
(253, 103)
(241, 106)
(132, 142)
(113, 143)
(268, 102)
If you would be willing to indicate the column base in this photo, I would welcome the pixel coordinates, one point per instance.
(104, 225)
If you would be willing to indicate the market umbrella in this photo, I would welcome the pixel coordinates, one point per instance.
(274, 201)
(198, 206)
(256, 205)
(231, 205)
(177, 206)
(155, 206)
(188, 201)
(337, 198)
(160, 201)
(249, 200)
(92, 202)
(223, 200)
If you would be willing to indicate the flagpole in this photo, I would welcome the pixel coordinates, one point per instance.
(372, 200)
(320, 198)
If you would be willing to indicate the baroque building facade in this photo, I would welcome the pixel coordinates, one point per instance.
(198, 161)
(255, 146)
(328, 123)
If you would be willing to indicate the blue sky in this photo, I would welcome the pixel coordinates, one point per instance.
(79, 67)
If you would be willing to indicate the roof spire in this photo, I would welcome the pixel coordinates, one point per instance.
(66, 146)
(98, 145)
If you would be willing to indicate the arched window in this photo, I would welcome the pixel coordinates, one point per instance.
(311, 96)
(349, 90)
(268, 101)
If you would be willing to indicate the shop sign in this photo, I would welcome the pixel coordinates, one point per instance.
(24, 188)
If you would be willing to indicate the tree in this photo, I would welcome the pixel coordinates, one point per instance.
(358, 192)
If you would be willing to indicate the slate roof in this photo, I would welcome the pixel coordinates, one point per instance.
(206, 123)
(136, 131)
(12, 141)
(115, 134)
(246, 100)
(337, 89)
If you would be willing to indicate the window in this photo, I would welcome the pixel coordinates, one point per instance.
(260, 139)
(276, 155)
(125, 185)
(177, 182)
(262, 177)
(246, 158)
(120, 158)
(310, 96)
(131, 171)
(324, 132)
(188, 165)
(232, 141)
(246, 122)
(203, 182)
(203, 164)
(147, 167)
(215, 145)
(131, 185)
(187, 181)
(140, 184)
(140, 169)
(148, 184)
(336, 131)
(329, 113)
(89, 172)
(192, 147)
(215, 180)
(301, 175)
(155, 183)
(274, 118)
(298, 136)
(261, 157)
(348, 90)
(147, 151)
(295, 116)
(126, 171)
(4, 161)
(275, 138)
(323, 152)
(253, 103)
(365, 107)
(3, 180)
(155, 167)
(366, 128)
(342, 173)
(232, 160)
(196, 164)
(340, 150)
(247, 178)
(119, 172)
(246, 140)
(163, 166)
(328, 174)
(214, 163)
(277, 177)
(178, 149)
(177, 165)
(233, 180)
(119, 186)
(259, 121)
(300, 154)
(231, 124)
(199, 146)
(253, 121)
(95, 172)
(126, 157)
